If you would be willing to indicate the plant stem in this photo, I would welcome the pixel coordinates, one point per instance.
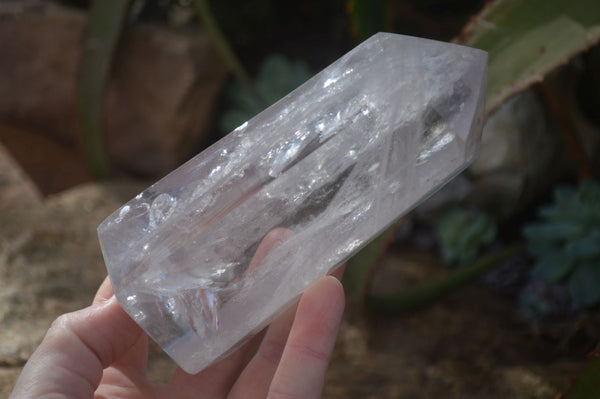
(106, 20)
(574, 146)
(225, 49)
(361, 267)
(414, 298)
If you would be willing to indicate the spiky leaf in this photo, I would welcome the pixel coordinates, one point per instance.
(106, 20)
(526, 39)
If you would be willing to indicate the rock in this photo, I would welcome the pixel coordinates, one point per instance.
(159, 96)
(469, 346)
(8, 377)
(52, 166)
(519, 157)
(50, 262)
(455, 191)
(518, 382)
(16, 188)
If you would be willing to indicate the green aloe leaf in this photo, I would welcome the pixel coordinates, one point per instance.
(358, 269)
(106, 21)
(584, 284)
(222, 45)
(553, 267)
(422, 295)
(585, 386)
(526, 39)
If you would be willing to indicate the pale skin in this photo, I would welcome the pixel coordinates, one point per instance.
(99, 352)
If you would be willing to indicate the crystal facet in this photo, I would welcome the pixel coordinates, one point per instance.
(206, 257)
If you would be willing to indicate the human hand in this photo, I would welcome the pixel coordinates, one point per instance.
(100, 352)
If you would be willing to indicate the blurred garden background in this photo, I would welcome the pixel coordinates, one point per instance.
(490, 289)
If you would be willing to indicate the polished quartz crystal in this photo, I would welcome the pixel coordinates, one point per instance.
(205, 257)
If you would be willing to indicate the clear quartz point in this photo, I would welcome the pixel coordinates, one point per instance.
(205, 257)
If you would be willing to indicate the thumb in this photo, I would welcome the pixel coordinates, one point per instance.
(75, 350)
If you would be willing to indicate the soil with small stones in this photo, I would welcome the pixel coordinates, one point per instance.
(472, 344)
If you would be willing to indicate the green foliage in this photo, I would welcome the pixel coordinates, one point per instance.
(463, 234)
(417, 297)
(369, 17)
(104, 28)
(223, 47)
(585, 386)
(356, 276)
(565, 242)
(526, 39)
(541, 300)
(276, 78)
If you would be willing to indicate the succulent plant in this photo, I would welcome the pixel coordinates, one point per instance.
(541, 300)
(565, 242)
(463, 234)
(276, 78)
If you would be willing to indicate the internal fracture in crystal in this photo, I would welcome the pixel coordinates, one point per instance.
(205, 257)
